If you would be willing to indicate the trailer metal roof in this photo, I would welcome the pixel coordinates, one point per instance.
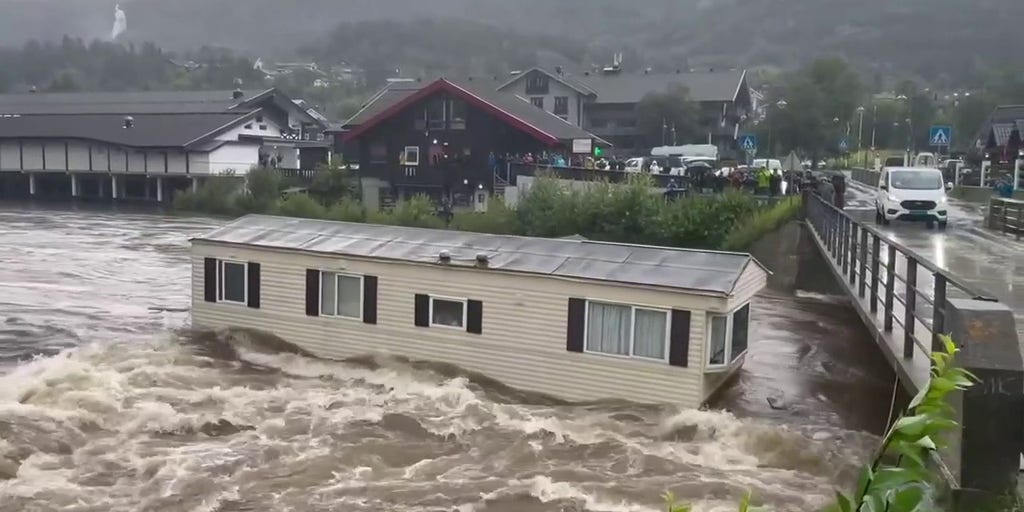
(707, 272)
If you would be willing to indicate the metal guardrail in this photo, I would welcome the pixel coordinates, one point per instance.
(908, 290)
(1006, 215)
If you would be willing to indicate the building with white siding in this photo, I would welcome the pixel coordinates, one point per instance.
(575, 319)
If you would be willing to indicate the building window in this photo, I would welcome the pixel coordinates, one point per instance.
(629, 331)
(456, 114)
(234, 283)
(561, 106)
(447, 312)
(341, 295)
(435, 114)
(411, 155)
(627, 123)
(728, 336)
(537, 83)
(538, 102)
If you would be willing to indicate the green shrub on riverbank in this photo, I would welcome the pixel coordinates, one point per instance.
(626, 213)
(761, 222)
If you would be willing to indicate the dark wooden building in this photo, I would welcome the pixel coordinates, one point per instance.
(438, 138)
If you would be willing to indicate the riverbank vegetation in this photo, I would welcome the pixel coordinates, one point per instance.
(901, 477)
(627, 213)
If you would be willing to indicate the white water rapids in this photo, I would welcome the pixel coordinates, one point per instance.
(125, 409)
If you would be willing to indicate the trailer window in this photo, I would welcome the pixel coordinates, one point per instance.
(341, 295)
(728, 336)
(624, 330)
(233, 282)
(447, 312)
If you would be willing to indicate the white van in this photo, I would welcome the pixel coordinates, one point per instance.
(911, 193)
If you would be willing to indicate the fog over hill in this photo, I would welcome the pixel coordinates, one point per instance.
(943, 40)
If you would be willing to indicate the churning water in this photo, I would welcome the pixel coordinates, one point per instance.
(109, 403)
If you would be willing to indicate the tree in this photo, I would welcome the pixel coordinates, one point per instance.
(658, 113)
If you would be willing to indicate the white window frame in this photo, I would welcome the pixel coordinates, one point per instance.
(465, 311)
(221, 285)
(632, 330)
(337, 302)
(405, 155)
(729, 320)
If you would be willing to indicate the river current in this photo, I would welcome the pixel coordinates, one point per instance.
(109, 402)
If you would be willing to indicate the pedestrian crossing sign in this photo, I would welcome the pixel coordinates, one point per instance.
(940, 135)
(748, 142)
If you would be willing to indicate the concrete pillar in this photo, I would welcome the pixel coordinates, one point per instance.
(113, 186)
(1016, 173)
(195, 184)
(159, 190)
(31, 184)
(146, 188)
(984, 170)
(984, 457)
(74, 185)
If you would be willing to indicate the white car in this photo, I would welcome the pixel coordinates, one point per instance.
(912, 194)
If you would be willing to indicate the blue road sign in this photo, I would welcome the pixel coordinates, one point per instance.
(940, 135)
(844, 143)
(748, 142)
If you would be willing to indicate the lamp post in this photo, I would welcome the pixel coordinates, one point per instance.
(781, 105)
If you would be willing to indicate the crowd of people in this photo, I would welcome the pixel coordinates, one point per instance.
(559, 160)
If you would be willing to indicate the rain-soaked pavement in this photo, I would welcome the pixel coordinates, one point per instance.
(982, 259)
(107, 403)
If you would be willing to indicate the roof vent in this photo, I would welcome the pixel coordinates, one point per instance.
(482, 258)
(129, 121)
(237, 94)
(444, 256)
(32, 89)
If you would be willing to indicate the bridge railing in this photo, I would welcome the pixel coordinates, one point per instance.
(1006, 215)
(905, 292)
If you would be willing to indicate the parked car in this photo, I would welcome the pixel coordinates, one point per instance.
(912, 194)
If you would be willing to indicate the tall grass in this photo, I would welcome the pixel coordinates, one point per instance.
(750, 230)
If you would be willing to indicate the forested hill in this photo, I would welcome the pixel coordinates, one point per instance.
(943, 41)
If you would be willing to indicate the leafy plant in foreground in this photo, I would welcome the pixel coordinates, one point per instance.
(898, 480)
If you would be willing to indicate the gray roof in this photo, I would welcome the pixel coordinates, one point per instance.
(148, 130)
(139, 102)
(632, 87)
(379, 102)
(703, 272)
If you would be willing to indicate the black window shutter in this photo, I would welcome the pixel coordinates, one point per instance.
(475, 317)
(679, 340)
(370, 299)
(312, 292)
(576, 325)
(422, 310)
(254, 285)
(210, 279)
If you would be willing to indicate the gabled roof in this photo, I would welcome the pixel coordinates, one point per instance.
(568, 81)
(184, 131)
(124, 103)
(511, 109)
(381, 100)
(1000, 123)
(703, 86)
(695, 271)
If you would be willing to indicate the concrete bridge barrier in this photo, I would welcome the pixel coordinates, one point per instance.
(907, 303)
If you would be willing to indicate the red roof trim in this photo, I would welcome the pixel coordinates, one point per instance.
(444, 85)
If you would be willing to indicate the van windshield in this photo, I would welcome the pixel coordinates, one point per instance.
(916, 180)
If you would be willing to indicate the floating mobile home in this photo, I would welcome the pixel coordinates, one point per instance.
(576, 319)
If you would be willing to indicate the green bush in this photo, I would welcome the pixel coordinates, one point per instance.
(301, 205)
(218, 195)
(499, 219)
(347, 210)
(761, 223)
(418, 212)
(263, 188)
(333, 183)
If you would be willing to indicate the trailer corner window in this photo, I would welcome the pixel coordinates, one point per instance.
(728, 336)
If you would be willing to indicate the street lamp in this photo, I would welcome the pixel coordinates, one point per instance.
(860, 128)
(781, 105)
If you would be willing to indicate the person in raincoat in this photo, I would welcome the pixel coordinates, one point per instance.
(763, 180)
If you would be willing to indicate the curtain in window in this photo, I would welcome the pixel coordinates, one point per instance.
(740, 330)
(608, 328)
(719, 326)
(649, 335)
(349, 290)
(328, 294)
(234, 282)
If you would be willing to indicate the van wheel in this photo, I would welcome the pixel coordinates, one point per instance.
(930, 225)
(879, 219)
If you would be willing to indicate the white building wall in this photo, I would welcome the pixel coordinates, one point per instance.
(118, 162)
(32, 155)
(78, 156)
(555, 89)
(54, 152)
(99, 157)
(252, 127)
(10, 159)
(524, 324)
(136, 161)
(176, 162)
(199, 163)
(238, 158)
